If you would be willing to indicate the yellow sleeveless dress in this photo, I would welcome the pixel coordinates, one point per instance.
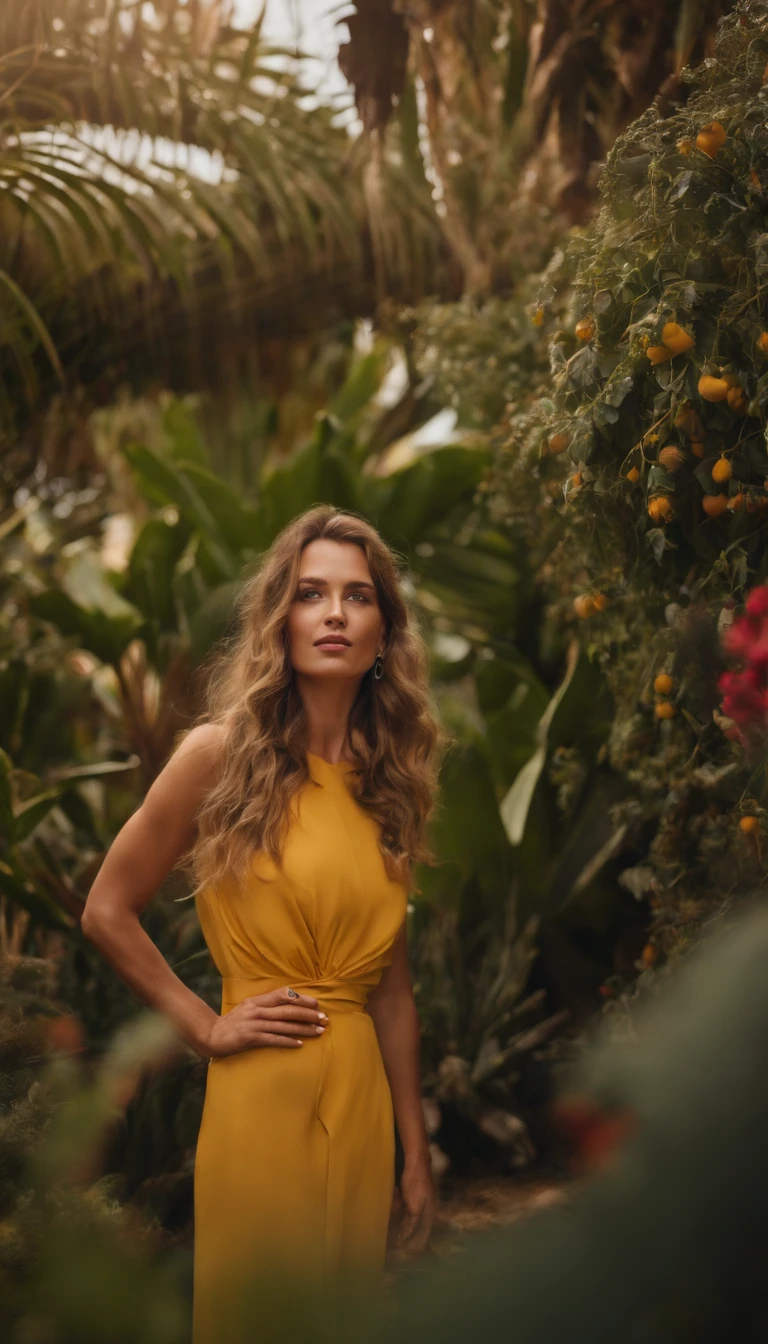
(295, 1155)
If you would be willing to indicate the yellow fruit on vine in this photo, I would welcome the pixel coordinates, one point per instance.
(676, 338)
(633, 475)
(684, 146)
(585, 329)
(711, 138)
(660, 509)
(538, 317)
(584, 607)
(663, 684)
(714, 505)
(659, 354)
(600, 601)
(696, 447)
(712, 389)
(664, 709)
(762, 342)
(748, 825)
(671, 458)
(722, 470)
(736, 503)
(557, 443)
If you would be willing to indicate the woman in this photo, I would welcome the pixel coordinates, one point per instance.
(299, 804)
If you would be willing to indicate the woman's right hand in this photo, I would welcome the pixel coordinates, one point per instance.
(276, 1018)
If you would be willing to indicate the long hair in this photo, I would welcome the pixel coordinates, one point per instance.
(250, 692)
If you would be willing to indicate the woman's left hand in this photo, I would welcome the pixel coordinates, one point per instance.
(417, 1190)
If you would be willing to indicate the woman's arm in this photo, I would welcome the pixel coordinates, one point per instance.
(140, 857)
(392, 1007)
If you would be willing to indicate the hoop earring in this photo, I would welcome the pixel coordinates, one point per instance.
(378, 668)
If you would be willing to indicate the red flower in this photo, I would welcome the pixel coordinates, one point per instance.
(757, 602)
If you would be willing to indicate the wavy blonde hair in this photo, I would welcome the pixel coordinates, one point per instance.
(393, 732)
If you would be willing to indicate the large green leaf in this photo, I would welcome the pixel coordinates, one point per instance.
(193, 490)
(153, 559)
(239, 522)
(362, 383)
(38, 903)
(290, 489)
(32, 812)
(410, 501)
(106, 636)
(466, 830)
(7, 820)
(186, 441)
(211, 621)
(516, 803)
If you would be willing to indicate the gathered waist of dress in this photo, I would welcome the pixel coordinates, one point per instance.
(342, 995)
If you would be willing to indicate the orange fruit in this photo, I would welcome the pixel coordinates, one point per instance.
(659, 354)
(688, 422)
(712, 389)
(663, 684)
(649, 955)
(671, 458)
(576, 480)
(696, 447)
(684, 146)
(557, 443)
(676, 338)
(714, 505)
(585, 329)
(711, 138)
(633, 475)
(749, 825)
(65, 1033)
(660, 509)
(762, 342)
(600, 601)
(736, 502)
(737, 402)
(722, 470)
(664, 709)
(584, 607)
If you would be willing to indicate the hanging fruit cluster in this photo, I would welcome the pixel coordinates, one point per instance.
(662, 387)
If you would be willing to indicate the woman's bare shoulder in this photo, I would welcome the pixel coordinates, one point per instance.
(195, 763)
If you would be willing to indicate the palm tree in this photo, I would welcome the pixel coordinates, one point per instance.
(519, 100)
(166, 191)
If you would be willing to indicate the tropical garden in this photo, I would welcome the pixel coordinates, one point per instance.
(504, 298)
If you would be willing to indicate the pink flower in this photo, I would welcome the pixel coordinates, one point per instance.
(757, 602)
(745, 688)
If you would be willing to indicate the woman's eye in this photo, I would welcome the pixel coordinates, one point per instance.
(310, 592)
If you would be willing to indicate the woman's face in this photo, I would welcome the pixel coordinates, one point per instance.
(335, 625)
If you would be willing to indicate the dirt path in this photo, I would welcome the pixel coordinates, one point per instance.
(473, 1203)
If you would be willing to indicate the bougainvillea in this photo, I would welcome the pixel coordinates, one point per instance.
(745, 688)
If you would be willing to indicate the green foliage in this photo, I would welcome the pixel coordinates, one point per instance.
(678, 239)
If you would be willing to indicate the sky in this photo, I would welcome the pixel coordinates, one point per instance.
(310, 24)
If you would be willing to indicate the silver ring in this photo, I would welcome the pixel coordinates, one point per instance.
(292, 993)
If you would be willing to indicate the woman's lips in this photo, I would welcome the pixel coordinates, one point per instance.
(331, 644)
